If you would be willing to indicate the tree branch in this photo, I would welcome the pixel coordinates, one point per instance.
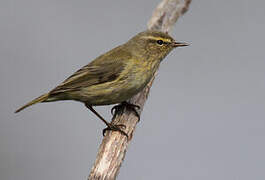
(114, 145)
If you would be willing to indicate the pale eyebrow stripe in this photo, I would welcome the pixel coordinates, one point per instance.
(157, 38)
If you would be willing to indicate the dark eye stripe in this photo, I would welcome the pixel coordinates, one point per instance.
(156, 41)
(160, 42)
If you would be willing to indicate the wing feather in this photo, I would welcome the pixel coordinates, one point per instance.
(103, 69)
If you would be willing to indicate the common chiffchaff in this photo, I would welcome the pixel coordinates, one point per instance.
(115, 76)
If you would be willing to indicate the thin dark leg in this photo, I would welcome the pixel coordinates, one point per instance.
(133, 107)
(110, 126)
(97, 114)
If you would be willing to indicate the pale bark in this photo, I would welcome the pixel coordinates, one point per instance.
(114, 145)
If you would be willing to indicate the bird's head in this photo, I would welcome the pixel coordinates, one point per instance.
(153, 44)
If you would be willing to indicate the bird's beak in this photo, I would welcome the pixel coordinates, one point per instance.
(179, 44)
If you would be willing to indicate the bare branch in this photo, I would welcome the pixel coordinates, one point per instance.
(167, 13)
(114, 145)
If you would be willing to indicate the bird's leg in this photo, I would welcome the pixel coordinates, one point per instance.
(130, 106)
(110, 125)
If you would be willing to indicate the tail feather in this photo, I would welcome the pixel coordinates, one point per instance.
(42, 98)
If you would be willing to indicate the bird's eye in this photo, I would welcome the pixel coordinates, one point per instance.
(160, 42)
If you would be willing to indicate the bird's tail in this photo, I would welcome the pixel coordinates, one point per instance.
(42, 98)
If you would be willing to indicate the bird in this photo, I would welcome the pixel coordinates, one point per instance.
(115, 76)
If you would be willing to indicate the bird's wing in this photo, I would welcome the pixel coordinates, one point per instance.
(103, 69)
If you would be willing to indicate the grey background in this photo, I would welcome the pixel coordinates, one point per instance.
(205, 116)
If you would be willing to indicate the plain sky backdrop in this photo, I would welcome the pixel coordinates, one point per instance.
(205, 116)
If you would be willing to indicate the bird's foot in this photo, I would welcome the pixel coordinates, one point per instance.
(125, 104)
(117, 127)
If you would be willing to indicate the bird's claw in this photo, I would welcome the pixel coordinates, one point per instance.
(130, 106)
(115, 109)
(117, 127)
